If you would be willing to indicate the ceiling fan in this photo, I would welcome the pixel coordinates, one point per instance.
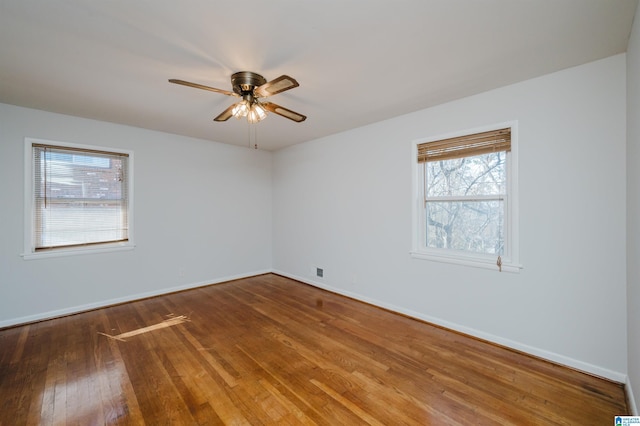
(251, 87)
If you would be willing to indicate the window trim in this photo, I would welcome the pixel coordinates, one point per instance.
(30, 252)
(419, 250)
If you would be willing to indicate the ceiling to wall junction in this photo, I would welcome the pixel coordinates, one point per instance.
(356, 62)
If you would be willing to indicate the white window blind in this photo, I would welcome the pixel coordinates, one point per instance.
(80, 197)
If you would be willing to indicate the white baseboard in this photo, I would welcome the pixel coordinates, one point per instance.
(633, 408)
(540, 353)
(551, 356)
(129, 298)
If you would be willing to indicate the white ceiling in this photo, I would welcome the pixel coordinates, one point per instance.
(357, 61)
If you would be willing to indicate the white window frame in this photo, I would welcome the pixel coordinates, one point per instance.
(510, 259)
(30, 252)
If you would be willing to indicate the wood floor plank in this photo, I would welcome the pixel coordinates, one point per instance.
(270, 350)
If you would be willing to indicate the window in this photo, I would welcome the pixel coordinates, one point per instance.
(78, 198)
(465, 208)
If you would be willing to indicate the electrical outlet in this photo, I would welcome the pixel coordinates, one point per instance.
(319, 272)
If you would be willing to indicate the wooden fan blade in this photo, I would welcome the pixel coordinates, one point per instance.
(278, 85)
(286, 113)
(226, 114)
(200, 86)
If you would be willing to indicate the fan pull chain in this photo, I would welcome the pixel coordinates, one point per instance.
(255, 137)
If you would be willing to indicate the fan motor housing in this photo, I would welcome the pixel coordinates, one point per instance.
(244, 82)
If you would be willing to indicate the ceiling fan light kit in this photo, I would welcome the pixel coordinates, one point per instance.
(251, 86)
(256, 113)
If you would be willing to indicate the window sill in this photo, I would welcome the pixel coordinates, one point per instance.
(476, 262)
(76, 251)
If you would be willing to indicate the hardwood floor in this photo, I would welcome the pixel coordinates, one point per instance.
(269, 350)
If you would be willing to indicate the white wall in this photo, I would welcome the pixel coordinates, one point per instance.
(202, 214)
(343, 203)
(633, 211)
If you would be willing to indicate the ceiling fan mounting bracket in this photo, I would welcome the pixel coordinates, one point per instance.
(244, 82)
